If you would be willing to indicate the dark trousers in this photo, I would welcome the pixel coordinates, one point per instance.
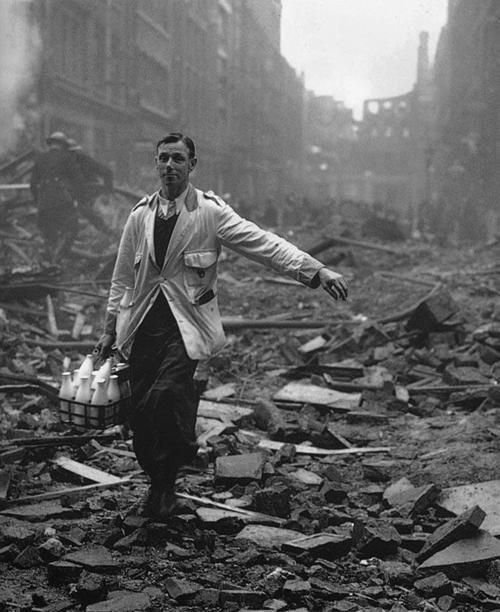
(164, 397)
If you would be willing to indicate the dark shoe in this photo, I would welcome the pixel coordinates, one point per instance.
(166, 505)
(146, 506)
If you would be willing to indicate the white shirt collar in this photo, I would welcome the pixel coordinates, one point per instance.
(179, 201)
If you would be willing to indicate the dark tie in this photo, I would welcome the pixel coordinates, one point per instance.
(171, 210)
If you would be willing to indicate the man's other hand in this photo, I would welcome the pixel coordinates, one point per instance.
(333, 283)
(104, 346)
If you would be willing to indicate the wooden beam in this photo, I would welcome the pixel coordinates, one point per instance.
(304, 449)
(86, 471)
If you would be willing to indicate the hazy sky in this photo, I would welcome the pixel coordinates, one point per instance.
(358, 49)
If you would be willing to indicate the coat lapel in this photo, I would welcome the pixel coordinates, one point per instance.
(150, 227)
(182, 227)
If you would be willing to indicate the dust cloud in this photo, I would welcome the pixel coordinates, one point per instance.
(19, 52)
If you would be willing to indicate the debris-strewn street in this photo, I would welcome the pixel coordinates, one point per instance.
(349, 453)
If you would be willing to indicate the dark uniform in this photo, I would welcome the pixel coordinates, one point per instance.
(56, 180)
(97, 179)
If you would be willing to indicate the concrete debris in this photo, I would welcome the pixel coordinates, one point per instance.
(347, 457)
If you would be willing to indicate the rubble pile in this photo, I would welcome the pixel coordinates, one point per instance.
(348, 453)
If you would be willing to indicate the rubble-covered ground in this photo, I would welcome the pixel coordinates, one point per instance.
(349, 452)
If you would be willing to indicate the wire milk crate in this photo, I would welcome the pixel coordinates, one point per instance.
(96, 401)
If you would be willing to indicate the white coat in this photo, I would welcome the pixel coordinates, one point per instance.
(188, 277)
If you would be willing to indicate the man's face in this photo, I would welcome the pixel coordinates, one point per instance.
(174, 165)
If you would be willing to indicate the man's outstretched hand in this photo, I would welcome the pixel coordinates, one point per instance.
(333, 283)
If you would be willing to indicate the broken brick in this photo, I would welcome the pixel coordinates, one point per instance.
(455, 529)
(29, 557)
(63, 572)
(333, 493)
(414, 500)
(328, 546)
(237, 468)
(181, 590)
(434, 586)
(274, 501)
(376, 539)
(268, 537)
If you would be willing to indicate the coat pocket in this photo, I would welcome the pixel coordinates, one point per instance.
(200, 269)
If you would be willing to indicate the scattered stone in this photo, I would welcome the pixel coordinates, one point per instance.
(484, 494)
(44, 511)
(376, 539)
(75, 536)
(133, 522)
(10, 456)
(465, 554)
(63, 572)
(455, 529)
(307, 477)
(378, 471)
(205, 598)
(52, 549)
(464, 376)
(268, 537)
(96, 559)
(397, 573)
(239, 468)
(413, 541)
(404, 525)
(16, 533)
(241, 597)
(296, 589)
(122, 601)
(434, 586)
(181, 590)
(91, 588)
(269, 417)
(139, 537)
(325, 545)
(332, 474)
(9, 553)
(446, 603)
(372, 495)
(333, 493)
(431, 313)
(223, 521)
(274, 501)
(396, 488)
(29, 557)
(413, 501)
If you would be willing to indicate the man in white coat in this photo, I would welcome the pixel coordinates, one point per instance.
(162, 312)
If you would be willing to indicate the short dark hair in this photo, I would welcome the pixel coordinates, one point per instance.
(178, 137)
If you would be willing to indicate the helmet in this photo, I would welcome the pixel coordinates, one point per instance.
(73, 145)
(57, 137)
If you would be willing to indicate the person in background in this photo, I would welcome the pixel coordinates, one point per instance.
(56, 180)
(97, 180)
(162, 312)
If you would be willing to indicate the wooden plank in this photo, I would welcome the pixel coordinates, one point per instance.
(222, 411)
(51, 316)
(86, 471)
(5, 476)
(71, 491)
(314, 394)
(212, 428)
(205, 501)
(304, 449)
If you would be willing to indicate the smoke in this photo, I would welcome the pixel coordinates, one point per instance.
(19, 49)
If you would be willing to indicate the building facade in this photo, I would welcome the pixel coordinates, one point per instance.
(118, 74)
(465, 177)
